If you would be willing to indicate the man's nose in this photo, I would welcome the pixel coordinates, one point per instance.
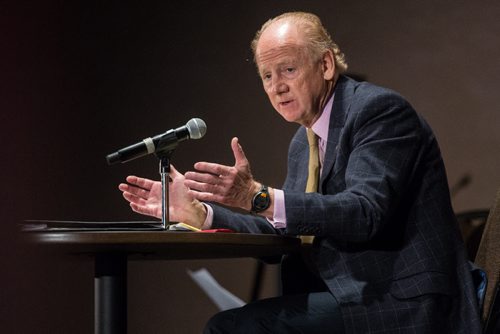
(279, 86)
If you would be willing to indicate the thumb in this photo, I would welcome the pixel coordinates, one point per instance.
(174, 173)
(239, 155)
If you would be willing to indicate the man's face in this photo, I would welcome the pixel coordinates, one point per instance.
(294, 81)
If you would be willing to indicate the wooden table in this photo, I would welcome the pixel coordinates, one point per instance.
(112, 250)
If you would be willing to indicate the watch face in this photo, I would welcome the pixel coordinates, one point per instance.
(261, 200)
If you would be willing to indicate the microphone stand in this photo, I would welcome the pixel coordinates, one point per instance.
(164, 157)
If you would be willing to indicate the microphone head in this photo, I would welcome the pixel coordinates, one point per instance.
(196, 127)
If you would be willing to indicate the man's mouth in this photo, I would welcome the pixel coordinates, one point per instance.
(285, 103)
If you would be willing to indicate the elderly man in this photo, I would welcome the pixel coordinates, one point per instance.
(365, 179)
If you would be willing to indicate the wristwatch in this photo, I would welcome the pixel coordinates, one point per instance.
(261, 200)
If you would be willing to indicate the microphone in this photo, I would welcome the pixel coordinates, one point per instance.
(195, 128)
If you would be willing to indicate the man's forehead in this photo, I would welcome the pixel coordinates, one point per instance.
(279, 33)
(280, 39)
(286, 51)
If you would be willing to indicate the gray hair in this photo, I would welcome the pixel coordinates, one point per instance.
(317, 38)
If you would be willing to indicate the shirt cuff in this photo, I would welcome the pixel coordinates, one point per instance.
(207, 224)
(279, 217)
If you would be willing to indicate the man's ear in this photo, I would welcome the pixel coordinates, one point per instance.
(328, 65)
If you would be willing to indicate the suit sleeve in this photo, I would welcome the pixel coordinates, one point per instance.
(378, 152)
(243, 223)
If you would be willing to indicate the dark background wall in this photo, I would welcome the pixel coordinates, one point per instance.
(82, 79)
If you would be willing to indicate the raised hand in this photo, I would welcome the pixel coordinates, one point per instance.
(229, 185)
(144, 196)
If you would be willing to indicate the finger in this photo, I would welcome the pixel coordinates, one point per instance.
(123, 186)
(134, 199)
(212, 168)
(203, 177)
(201, 186)
(140, 182)
(239, 156)
(206, 197)
(142, 210)
(127, 187)
(140, 192)
(174, 172)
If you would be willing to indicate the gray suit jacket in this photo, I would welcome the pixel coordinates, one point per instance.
(387, 244)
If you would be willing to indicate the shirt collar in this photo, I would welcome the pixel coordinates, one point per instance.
(320, 127)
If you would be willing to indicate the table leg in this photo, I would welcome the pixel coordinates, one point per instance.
(110, 300)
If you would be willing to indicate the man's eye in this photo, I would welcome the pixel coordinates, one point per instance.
(290, 72)
(266, 77)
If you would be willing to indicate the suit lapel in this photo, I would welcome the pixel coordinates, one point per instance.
(344, 90)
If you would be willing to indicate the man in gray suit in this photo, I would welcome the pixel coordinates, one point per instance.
(386, 256)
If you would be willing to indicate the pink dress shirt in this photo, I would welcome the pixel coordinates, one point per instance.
(320, 128)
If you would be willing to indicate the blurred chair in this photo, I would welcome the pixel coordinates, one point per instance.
(488, 258)
(471, 225)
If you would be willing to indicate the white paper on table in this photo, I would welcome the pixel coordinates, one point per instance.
(221, 297)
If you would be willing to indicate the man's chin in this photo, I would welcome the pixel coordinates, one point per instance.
(288, 116)
(289, 119)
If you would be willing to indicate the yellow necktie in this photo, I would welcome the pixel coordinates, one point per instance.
(313, 176)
